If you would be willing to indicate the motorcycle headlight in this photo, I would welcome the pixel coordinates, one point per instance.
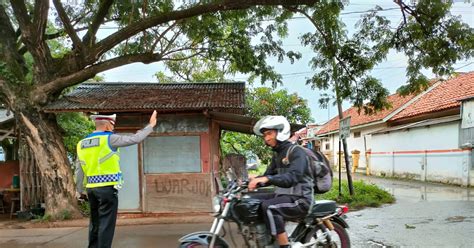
(216, 203)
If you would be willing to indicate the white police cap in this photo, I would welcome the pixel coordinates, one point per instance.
(110, 118)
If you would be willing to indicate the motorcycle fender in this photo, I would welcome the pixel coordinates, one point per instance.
(203, 238)
(340, 221)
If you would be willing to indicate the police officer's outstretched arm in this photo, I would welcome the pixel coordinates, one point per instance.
(118, 140)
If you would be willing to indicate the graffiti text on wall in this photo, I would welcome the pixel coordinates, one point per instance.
(182, 186)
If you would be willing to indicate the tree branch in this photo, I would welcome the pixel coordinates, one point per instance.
(40, 19)
(67, 25)
(111, 41)
(183, 58)
(6, 91)
(29, 31)
(8, 49)
(56, 85)
(328, 40)
(162, 35)
(21, 14)
(104, 8)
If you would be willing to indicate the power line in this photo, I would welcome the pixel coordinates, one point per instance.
(464, 65)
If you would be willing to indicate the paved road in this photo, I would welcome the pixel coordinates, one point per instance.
(425, 215)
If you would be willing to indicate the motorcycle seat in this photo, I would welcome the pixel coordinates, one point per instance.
(322, 208)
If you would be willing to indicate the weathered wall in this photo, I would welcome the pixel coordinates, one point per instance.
(7, 170)
(429, 153)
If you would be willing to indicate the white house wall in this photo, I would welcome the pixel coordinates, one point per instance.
(425, 153)
(352, 143)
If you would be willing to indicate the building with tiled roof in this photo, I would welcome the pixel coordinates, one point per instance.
(425, 140)
(361, 127)
(443, 100)
(420, 137)
(359, 118)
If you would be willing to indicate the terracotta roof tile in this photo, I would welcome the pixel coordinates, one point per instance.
(357, 119)
(443, 97)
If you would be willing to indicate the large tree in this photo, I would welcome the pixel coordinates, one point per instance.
(32, 74)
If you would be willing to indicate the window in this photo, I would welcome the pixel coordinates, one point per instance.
(357, 134)
(172, 154)
(327, 146)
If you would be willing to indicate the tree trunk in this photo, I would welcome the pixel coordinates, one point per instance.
(43, 137)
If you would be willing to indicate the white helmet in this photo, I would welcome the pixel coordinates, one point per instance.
(278, 122)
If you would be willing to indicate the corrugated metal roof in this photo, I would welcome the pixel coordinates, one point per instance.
(5, 115)
(241, 123)
(122, 97)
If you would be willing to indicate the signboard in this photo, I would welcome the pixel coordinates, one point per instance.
(311, 133)
(467, 115)
(345, 127)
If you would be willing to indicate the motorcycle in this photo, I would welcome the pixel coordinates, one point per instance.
(324, 226)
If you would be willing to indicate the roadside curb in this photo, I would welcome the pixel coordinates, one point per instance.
(122, 220)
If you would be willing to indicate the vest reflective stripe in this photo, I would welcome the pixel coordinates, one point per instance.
(105, 178)
(102, 160)
(99, 162)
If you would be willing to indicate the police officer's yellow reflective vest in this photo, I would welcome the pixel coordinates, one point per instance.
(99, 161)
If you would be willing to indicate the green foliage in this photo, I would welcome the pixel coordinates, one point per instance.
(76, 126)
(432, 38)
(84, 208)
(261, 102)
(429, 35)
(65, 215)
(46, 217)
(343, 63)
(259, 171)
(193, 70)
(365, 195)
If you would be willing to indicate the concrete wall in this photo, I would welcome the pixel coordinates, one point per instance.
(428, 153)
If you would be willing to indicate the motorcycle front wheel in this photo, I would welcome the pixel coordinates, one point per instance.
(339, 237)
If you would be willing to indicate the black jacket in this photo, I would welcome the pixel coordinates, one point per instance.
(293, 178)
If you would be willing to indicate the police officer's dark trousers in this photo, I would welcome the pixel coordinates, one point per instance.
(103, 202)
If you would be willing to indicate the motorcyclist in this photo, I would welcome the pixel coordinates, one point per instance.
(290, 176)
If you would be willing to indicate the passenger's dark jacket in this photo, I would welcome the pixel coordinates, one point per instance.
(293, 178)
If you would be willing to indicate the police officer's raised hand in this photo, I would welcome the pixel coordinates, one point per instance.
(153, 119)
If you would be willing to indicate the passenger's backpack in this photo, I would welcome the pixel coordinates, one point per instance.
(319, 169)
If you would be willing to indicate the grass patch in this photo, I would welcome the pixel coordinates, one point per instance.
(365, 195)
(84, 208)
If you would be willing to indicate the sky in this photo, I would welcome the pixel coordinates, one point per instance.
(391, 72)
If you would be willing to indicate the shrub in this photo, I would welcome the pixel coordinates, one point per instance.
(365, 195)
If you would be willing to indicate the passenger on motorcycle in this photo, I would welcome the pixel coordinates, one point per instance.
(292, 180)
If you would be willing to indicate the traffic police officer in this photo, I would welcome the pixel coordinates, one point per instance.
(98, 156)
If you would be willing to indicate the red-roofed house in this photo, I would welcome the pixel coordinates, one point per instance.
(361, 127)
(425, 140)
